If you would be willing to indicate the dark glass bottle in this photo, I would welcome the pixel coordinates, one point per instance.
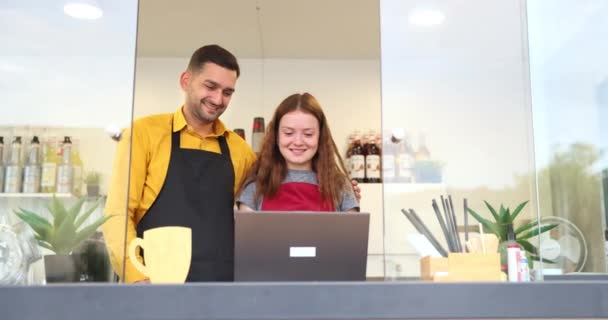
(372, 161)
(349, 152)
(357, 161)
(240, 132)
(257, 135)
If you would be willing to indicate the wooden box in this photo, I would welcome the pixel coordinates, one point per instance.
(462, 267)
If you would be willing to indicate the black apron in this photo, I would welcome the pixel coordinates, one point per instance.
(198, 193)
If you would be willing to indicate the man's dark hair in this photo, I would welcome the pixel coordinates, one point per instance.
(214, 54)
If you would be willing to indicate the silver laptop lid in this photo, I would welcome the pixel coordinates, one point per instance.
(301, 246)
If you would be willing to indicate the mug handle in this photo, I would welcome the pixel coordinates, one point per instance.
(137, 242)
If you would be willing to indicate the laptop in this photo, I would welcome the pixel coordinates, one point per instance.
(300, 246)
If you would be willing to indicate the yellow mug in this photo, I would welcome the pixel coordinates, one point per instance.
(168, 251)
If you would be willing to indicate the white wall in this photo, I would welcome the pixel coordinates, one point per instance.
(348, 90)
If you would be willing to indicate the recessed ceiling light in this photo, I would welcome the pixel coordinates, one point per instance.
(426, 17)
(81, 10)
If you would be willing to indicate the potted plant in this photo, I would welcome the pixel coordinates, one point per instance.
(92, 180)
(504, 217)
(62, 235)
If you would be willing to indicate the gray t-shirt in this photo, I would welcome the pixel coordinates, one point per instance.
(348, 196)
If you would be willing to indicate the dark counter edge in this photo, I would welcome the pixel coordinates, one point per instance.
(299, 301)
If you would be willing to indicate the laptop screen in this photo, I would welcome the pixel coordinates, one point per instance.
(301, 246)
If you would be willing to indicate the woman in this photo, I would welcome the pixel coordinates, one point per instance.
(299, 167)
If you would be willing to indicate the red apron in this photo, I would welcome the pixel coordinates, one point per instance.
(297, 196)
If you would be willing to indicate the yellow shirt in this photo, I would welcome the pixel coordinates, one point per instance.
(150, 151)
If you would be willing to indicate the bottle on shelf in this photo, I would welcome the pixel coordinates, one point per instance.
(365, 145)
(1, 163)
(371, 138)
(524, 269)
(50, 159)
(65, 170)
(389, 149)
(14, 170)
(32, 170)
(405, 158)
(513, 256)
(379, 144)
(357, 160)
(77, 168)
(349, 151)
(114, 132)
(240, 132)
(257, 135)
(372, 161)
(422, 153)
(365, 142)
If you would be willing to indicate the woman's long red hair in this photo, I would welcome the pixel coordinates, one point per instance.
(270, 169)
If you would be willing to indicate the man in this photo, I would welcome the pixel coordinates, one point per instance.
(184, 170)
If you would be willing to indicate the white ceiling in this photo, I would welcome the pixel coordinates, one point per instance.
(311, 29)
(336, 29)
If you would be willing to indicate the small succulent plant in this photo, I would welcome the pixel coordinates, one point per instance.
(504, 217)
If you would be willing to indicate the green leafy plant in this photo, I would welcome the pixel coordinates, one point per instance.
(65, 231)
(92, 178)
(504, 217)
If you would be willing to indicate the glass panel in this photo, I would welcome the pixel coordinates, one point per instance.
(64, 80)
(455, 102)
(569, 79)
(280, 52)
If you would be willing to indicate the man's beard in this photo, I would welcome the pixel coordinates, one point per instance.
(199, 113)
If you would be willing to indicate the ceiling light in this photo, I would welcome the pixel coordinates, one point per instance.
(426, 17)
(83, 10)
